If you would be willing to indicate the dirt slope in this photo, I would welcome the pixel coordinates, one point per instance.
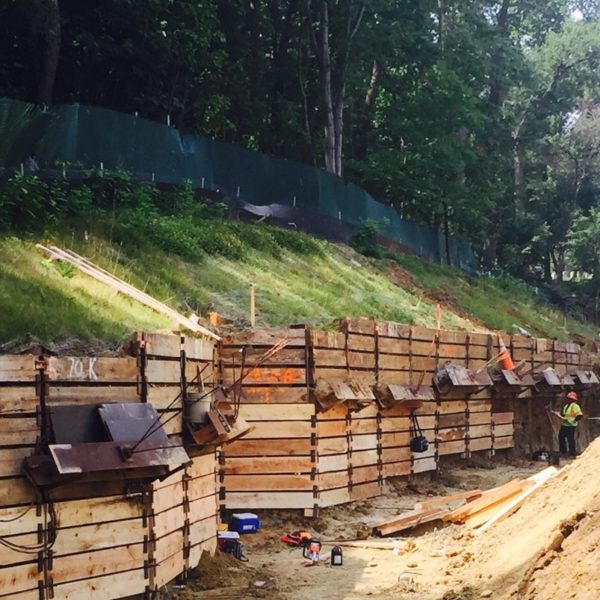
(551, 547)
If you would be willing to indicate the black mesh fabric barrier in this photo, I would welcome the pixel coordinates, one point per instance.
(74, 138)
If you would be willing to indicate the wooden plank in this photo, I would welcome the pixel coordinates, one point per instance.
(504, 430)
(333, 497)
(396, 469)
(17, 400)
(286, 356)
(365, 490)
(333, 462)
(325, 357)
(395, 438)
(108, 587)
(335, 412)
(17, 368)
(328, 339)
(424, 464)
(361, 360)
(17, 578)
(453, 447)
(263, 483)
(161, 344)
(80, 394)
(98, 536)
(11, 557)
(396, 454)
(360, 426)
(271, 500)
(16, 491)
(449, 499)
(101, 369)
(163, 371)
(204, 508)
(359, 325)
(488, 498)
(480, 418)
(401, 346)
(363, 442)
(333, 480)
(202, 465)
(169, 568)
(332, 445)
(288, 447)
(97, 564)
(273, 395)
(11, 461)
(169, 520)
(539, 480)
(250, 466)
(73, 513)
(364, 474)
(18, 431)
(503, 418)
(168, 545)
(363, 343)
(201, 487)
(331, 428)
(484, 443)
(364, 458)
(408, 520)
(200, 531)
(504, 442)
(452, 420)
(278, 430)
(199, 348)
(479, 431)
(449, 435)
(268, 376)
(265, 336)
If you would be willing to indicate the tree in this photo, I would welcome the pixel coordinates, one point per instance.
(332, 40)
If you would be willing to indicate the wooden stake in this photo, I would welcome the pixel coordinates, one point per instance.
(252, 305)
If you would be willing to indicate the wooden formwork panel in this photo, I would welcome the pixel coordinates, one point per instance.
(109, 587)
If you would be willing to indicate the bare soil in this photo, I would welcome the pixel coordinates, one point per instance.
(548, 549)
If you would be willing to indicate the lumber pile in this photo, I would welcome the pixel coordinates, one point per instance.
(476, 508)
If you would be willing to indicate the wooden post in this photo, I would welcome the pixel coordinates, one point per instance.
(252, 305)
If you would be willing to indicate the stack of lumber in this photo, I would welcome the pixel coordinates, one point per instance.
(499, 502)
(429, 510)
(477, 508)
(274, 465)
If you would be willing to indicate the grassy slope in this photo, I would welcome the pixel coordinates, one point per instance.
(37, 300)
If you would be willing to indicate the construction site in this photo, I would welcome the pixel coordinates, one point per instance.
(299, 300)
(395, 461)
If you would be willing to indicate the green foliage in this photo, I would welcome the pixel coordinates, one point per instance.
(22, 203)
(364, 238)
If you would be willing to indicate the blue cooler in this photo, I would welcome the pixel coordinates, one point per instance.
(244, 523)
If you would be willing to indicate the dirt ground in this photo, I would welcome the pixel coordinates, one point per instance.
(555, 529)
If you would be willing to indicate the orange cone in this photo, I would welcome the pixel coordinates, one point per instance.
(505, 358)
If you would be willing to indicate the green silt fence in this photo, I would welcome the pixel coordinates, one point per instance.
(83, 137)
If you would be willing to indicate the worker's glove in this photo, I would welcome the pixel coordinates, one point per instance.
(579, 417)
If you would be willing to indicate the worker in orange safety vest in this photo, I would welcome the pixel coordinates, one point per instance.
(570, 415)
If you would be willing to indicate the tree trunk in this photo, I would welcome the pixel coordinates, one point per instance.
(51, 52)
(519, 175)
(361, 139)
(326, 90)
(338, 124)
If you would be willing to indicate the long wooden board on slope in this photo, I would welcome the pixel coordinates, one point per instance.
(109, 279)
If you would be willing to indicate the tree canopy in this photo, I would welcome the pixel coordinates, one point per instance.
(478, 116)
